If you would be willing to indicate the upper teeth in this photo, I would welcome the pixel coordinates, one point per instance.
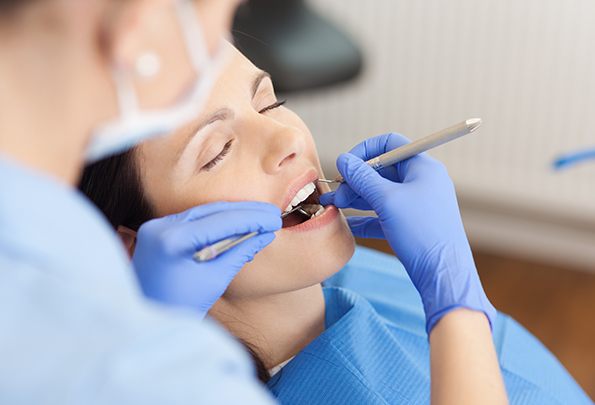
(301, 196)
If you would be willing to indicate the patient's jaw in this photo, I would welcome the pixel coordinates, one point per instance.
(249, 148)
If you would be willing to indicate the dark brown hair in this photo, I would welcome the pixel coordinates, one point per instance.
(114, 186)
(9, 6)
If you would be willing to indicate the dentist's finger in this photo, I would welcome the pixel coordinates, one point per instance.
(375, 146)
(195, 235)
(405, 171)
(328, 198)
(204, 210)
(245, 251)
(362, 179)
(344, 197)
(365, 227)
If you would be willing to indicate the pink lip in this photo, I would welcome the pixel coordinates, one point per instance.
(308, 177)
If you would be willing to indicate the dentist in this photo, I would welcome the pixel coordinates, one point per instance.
(80, 80)
(84, 79)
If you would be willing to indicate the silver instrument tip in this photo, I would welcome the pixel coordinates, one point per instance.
(473, 124)
(338, 180)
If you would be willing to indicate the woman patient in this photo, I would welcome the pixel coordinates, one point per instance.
(330, 344)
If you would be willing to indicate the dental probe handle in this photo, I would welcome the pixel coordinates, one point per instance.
(424, 144)
(212, 251)
(421, 145)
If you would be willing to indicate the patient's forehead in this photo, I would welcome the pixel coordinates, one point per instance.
(237, 67)
(233, 84)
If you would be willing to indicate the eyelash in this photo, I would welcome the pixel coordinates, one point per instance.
(273, 106)
(219, 157)
(227, 146)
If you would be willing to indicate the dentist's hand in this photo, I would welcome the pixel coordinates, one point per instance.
(419, 216)
(164, 248)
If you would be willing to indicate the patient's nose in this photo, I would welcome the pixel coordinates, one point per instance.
(282, 148)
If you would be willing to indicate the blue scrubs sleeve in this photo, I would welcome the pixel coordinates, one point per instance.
(74, 327)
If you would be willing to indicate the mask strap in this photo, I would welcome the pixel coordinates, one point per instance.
(127, 99)
(196, 46)
(126, 94)
(135, 125)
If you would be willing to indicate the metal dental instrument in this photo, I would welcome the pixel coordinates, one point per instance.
(303, 211)
(421, 145)
(212, 251)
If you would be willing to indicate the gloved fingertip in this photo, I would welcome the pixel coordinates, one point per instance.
(265, 222)
(353, 170)
(327, 198)
(261, 241)
(344, 196)
(344, 161)
(394, 140)
(356, 226)
(354, 221)
(266, 238)
(262, 206)
(341, 158)
(365, 227)
(273, 208)
(246, 251)
(276, 223)
(340, 200)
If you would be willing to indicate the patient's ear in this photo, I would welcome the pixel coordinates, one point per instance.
(128, 238)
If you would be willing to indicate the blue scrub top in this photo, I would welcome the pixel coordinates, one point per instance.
(375, 349)
(74, 327)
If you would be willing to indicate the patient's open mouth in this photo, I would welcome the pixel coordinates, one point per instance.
(308, 200)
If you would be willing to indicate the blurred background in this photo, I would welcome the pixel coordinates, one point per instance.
(354, 69)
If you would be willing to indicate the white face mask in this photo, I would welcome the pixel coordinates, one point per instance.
(133, 125)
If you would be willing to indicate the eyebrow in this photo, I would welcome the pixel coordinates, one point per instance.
(220, 115)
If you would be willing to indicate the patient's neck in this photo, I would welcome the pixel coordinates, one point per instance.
(277, 327)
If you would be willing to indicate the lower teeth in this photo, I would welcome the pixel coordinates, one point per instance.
(313, 210)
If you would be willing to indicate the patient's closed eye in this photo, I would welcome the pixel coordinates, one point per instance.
(273, 106)
(227, 147)
(219, 157)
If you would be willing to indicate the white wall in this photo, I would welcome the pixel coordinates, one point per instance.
(527, 67)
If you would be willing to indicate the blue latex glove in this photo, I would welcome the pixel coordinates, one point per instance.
(418, 214)
(164, 248)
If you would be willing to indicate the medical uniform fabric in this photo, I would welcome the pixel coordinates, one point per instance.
(375, 349)
(74, 327)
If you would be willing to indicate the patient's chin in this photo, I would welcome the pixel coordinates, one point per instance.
(280, 268)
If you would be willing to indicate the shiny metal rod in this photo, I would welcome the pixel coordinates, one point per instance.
(421, 145)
